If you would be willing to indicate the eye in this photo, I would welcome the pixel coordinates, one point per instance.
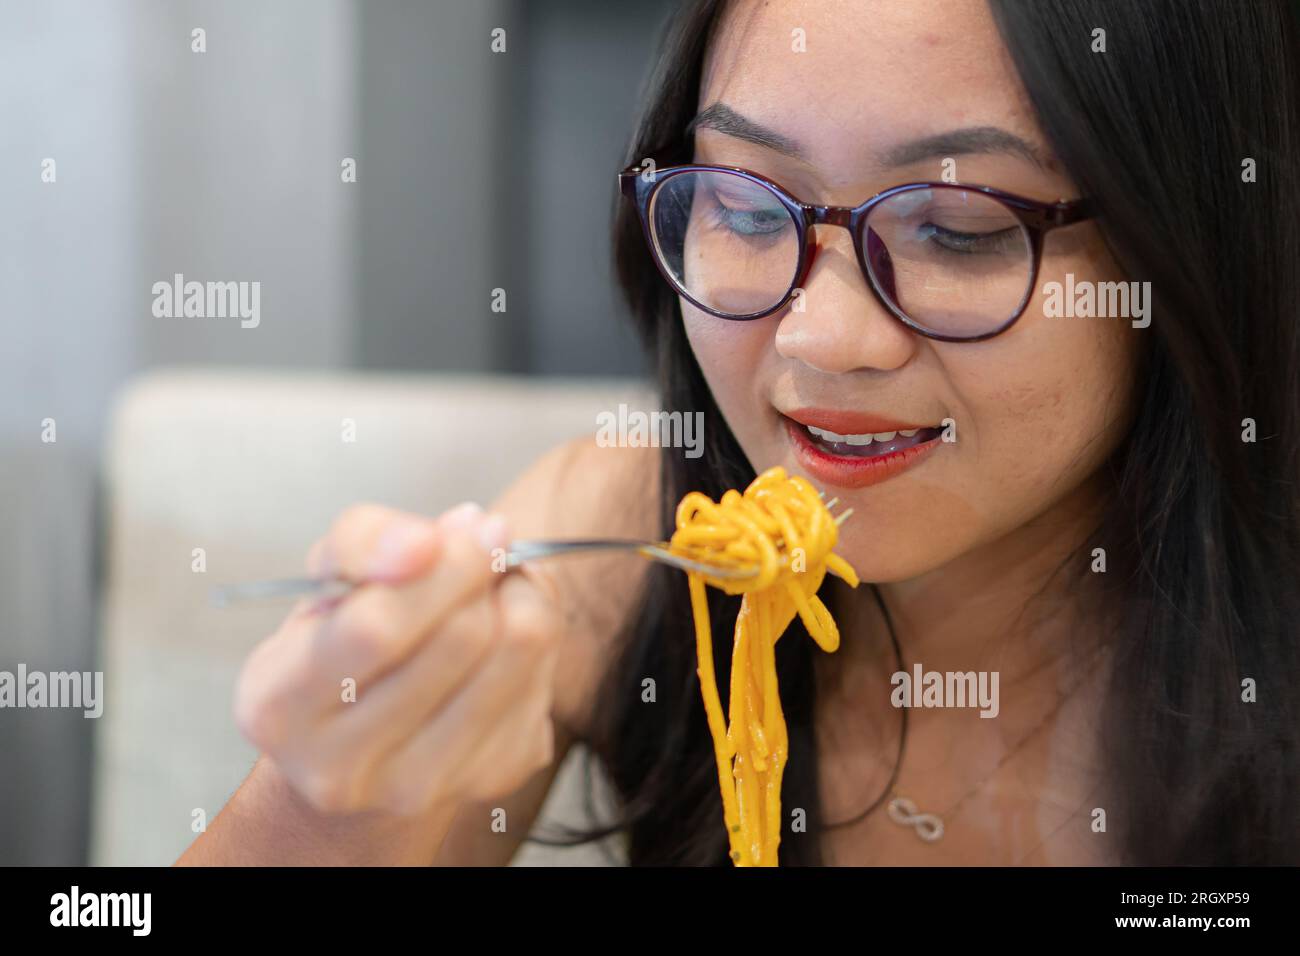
(745, 217)
(964, 242)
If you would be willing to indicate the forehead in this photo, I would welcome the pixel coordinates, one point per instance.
(849, 78)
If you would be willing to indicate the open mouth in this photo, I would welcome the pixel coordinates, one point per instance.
(873, 445)
(860, 458)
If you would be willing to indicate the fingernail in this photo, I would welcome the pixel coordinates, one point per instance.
(461, 516)
(492, 533)
(398, 545)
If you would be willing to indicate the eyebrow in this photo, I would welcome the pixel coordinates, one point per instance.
(956, 142)
(721, 117)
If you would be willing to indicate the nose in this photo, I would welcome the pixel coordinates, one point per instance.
(836, 324)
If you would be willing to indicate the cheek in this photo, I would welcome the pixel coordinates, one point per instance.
(1036, 416)
(731, 354)
(1050, 404)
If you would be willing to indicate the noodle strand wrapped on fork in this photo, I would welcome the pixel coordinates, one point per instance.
(781, 527)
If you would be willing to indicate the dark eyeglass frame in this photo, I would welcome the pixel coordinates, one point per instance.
(1037, 218)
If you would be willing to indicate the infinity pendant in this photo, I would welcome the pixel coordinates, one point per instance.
(928, 826)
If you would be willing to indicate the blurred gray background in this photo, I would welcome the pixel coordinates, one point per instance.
(476, 170)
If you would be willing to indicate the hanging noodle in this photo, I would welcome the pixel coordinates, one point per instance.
(781, 527)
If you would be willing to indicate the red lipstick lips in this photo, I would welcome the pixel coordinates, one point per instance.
(848, 423)
(856, 449)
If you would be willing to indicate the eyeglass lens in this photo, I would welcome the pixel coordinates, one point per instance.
(954, 261)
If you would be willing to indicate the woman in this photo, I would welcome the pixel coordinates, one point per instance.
(1096, 505)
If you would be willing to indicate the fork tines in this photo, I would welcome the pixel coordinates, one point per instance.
(830, 506)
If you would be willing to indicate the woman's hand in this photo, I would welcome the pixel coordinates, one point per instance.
(429, 685)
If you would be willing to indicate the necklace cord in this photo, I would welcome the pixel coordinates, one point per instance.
(902, 735)
(902, 738)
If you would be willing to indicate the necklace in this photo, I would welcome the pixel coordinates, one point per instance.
(929, 826)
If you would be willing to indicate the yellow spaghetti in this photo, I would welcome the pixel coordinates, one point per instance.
(781, 527)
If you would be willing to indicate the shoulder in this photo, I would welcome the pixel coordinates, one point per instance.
(580, 482)
(582, 490)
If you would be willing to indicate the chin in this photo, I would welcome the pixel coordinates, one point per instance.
(882, 563)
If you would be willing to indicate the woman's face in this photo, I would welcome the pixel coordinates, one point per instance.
(1035, 410)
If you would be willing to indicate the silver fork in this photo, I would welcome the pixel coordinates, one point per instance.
(329, 589)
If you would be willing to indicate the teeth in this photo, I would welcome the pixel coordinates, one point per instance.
(842, 439)
(866, 439)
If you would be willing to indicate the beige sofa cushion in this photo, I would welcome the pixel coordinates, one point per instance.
(251, 467)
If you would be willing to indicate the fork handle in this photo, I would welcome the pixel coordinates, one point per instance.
(521, 551)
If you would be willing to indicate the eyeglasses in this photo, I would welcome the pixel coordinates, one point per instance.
(952, 262)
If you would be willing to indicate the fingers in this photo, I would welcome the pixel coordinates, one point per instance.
(391, 709)
(379, 626)
(497, 731)
(451, 663)
(296, 676)
(374, 543)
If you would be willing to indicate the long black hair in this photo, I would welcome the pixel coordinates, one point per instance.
(1203, 527)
